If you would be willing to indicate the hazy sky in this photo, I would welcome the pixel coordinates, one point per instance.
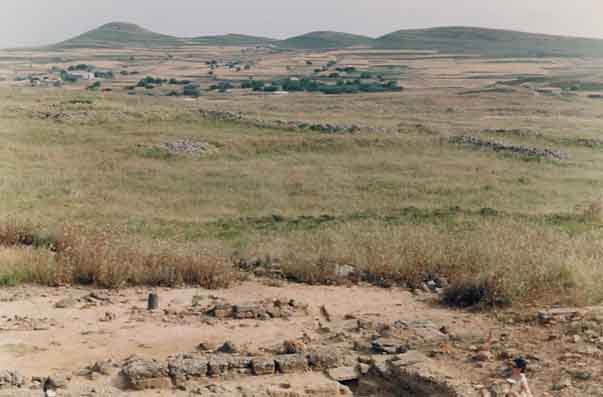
(32, 22)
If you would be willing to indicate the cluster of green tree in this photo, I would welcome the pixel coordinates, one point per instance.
(80, 67)
(191, 90)
(150, 82)
(99, 74)
(67, 77)
(179, 82)
(222, 86)
(348, 69)
(311, 85)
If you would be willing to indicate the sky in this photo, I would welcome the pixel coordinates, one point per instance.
(35, 22)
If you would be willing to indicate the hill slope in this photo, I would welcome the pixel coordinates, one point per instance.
(490, 42)
(120, 34)
(232, 40)
(324, 40)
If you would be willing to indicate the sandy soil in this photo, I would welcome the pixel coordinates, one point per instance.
(39, 339)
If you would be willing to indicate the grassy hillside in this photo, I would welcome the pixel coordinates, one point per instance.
(120, 34)
(232, 40)
(324, 40)
(454, 40)
(490, 42)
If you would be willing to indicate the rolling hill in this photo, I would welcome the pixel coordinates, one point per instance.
(450, 40)
(325, 40)
(490, 42)
(232, 40)
(119, 35)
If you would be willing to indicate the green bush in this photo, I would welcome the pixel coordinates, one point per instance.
(191, 90)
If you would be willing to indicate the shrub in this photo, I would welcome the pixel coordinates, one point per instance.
(191, 90)
(94, 86)
(150, 81)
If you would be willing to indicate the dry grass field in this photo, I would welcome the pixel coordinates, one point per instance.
(90, 174)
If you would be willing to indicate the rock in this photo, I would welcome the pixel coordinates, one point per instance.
(289, 363)
(217, 366)
(518, 150)
(325, 313)
(343, 374)
(97, 296)
(228, 347)
(66, 303)
(102, 367)
(141, 374)
(206, 347)
(185, 366)
(389, 346)
(344, 271)
(247, 311)
(56, 381)
(364, 324)
(108, 316)
(239, 365)
(582, 375)
(418, 375)
(11, 379)
(221, 311)
(262, 366)
(324, 358)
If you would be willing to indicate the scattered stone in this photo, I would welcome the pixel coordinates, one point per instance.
(190, 147)
(108, 316)
(518, 150)
(11, 379)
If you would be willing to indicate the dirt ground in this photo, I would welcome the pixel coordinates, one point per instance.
(60, 332)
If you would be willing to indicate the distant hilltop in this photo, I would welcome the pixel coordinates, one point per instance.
(450, 40)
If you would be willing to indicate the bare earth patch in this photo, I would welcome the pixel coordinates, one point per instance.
(271, 341)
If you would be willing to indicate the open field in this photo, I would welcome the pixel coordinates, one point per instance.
(476, 184)
(256, 187)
